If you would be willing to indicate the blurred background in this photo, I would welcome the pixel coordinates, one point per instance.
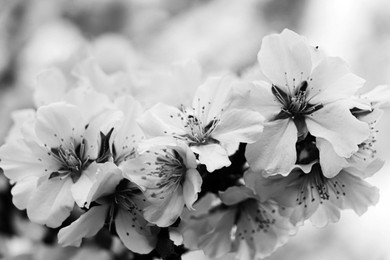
(222, 35)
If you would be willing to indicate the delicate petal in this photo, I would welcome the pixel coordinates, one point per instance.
(212, 155)
(50, 88)
(108, 177)
(359, 194)
(191, 187)
(82, 187)
(18, 162)
(332, 122)
(165, 214)
(331, 163)
(238, 125)
(234, 195)
(262, 228)
(332, 81)
(218, 242)
(135, 235)
(91, 103)
(275, 151)
(58, 124)
(368, 170)
(51, 203)
(212, 97)
(162, 120)
(265, 188)
(128, 135)
(23, 190)
(325, 214)
(263, 100)
(285, 59)
(86, 226)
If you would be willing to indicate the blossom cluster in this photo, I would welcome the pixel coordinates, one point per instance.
(229, 163)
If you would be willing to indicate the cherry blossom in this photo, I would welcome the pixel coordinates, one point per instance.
(302, 94)
(213, 127)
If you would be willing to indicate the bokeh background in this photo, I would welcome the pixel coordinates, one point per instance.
(222, 35)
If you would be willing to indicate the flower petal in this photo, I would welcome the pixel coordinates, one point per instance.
(161, 120)
(128, 134)
(90, 102)
(191, 187)
(332, 122)
(108, 176)
(275, 152)
(212, 155)
(217, 242)
(165, 213)
(18, 162)
(239, 126)
(331, 163)
(326, 213)
(135, 235)
(59, 124)
(22, 191)
(359, 194)
(234, 195)
(87, 225)
(263, 100)
(285, 59)
(51, 203)
(332, 81)
(212, 97)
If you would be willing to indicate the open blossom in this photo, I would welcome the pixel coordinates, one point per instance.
(314, 196)
(249, 226)
(367, 108)
(56, 161)
(168, 176)
(302, 94)
(119, 204)
(212, 127)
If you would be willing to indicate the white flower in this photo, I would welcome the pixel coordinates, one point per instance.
(114, 85)
(250, 226)
(303, 94)
(212, 127)
(167, 174)
(119, 202)
(53, 165)
(367, 108)
(314, 196)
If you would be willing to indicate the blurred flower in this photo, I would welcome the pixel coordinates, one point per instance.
(167, 174)
(213, 127)
(302, 94)
(250, 226)
(314, 196)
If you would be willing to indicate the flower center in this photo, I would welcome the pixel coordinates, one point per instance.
(260, 220)
(125, 198)
(198, 128)
(124, 193)
(73, 161)
(294, 105)
(170, 169)
(316, 186)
